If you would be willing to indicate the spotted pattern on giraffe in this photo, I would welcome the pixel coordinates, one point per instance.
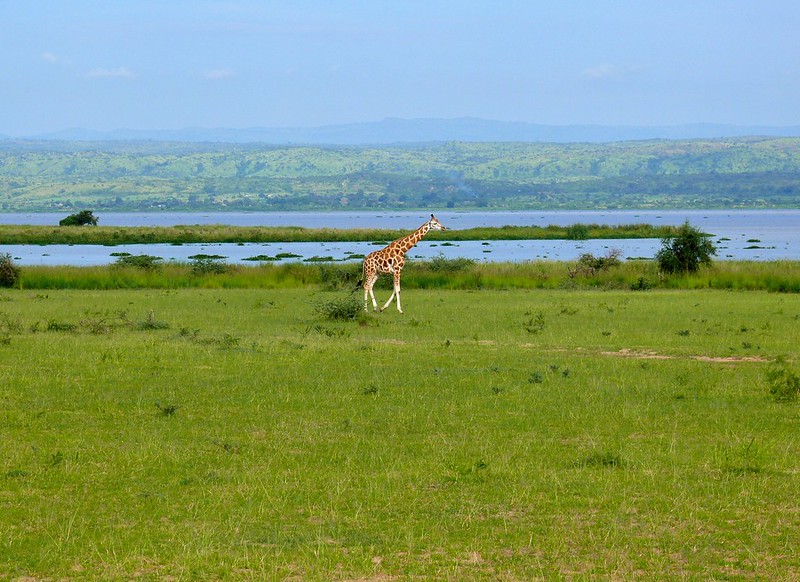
(390, 260)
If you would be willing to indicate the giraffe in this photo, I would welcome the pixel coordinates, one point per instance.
(391, 259)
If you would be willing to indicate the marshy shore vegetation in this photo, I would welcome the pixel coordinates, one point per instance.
(587, 272)
(217, 233)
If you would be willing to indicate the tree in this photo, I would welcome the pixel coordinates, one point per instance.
(686, 251)
(82, 218)
(9, 272)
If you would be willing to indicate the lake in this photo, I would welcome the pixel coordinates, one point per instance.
(761, 235)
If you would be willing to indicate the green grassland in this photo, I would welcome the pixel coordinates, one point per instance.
(748, 172)
(486, 434)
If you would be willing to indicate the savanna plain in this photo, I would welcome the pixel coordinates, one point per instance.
(484, 434)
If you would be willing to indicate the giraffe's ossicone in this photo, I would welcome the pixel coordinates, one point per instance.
(391, 260)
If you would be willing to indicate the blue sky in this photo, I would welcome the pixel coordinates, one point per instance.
(170, 64)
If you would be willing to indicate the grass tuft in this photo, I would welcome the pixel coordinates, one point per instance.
(602, 459)
(784, 382)
(167, 409)
(345, 308)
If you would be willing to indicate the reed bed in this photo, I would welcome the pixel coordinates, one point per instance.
(638, 275)
(110, 235)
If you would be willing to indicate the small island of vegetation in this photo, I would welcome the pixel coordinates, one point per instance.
(116, 235)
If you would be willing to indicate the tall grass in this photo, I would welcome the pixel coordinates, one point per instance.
(778, 276)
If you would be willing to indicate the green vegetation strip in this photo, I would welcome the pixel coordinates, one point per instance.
(110, 235)
(225, 434)
(147, 272)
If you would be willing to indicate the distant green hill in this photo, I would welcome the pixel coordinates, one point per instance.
(128, 176)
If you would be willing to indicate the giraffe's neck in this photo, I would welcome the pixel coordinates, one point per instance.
(405, 243)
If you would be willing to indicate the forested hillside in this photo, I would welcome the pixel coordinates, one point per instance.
(125, 176)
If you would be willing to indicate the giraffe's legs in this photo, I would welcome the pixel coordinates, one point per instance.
(369, 282)
(395, 293)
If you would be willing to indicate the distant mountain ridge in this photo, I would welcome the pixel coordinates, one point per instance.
(398, 131)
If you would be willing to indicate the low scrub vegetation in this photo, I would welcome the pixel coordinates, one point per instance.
(143, 262)
(9, 271)
(340, 308)
(784, 382)
(589, 272)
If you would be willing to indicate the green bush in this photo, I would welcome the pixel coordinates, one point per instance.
(440, 263)
(578, 232)
(144, 262)
(9, 272)
(686, 251)
(82, 218)
(589, 265)
(341, 308)
(208, 266)
(784, 383)
(336, 277)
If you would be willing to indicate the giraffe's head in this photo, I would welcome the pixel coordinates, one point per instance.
(435, 224)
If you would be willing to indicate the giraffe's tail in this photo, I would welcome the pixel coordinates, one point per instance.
(362, 279)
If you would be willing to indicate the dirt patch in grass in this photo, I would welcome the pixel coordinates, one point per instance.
(649, 355)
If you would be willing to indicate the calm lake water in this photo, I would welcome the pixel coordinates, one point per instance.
(763, 235)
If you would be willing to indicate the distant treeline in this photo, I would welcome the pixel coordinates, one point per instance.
(151, 176)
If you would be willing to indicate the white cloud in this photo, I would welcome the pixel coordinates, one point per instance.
(54, 59)
(216, 74)
(118, 73)
(608, 71)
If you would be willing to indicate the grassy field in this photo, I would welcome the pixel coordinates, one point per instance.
(519, 434)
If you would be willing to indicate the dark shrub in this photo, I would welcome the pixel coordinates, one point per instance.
(440, 263)
(578, 232)
(334, 277)
(784, 383)
(686, 251)
(589, 265)
(82, 218)
(9, 272)
(341, 309)
(208, 266)
(145, 262)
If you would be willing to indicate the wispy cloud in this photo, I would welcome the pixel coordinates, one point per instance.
(118, 73)
(609, 71)
(54, 59)
(217, 74)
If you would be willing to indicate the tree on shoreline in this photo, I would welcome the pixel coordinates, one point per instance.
(686, 251)
(82, 218)
(9, 272)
